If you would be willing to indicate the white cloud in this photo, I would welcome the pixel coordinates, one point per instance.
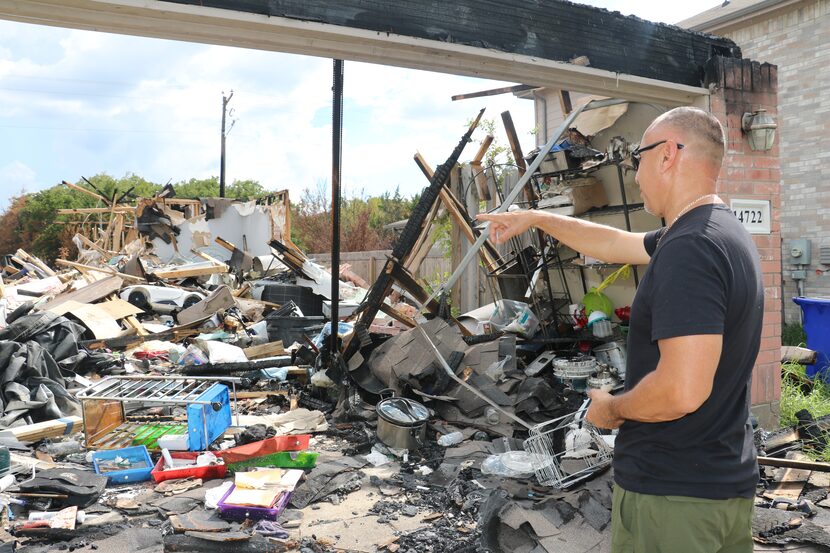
(77, 102)
(15, 178)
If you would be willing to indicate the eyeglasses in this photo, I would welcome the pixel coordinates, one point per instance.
(638, 152)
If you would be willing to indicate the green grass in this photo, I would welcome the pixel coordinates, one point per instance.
(792, 334)
(797, 393)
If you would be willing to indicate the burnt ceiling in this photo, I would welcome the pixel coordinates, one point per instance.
(549, 29)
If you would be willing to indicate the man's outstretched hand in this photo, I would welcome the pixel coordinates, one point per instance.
(504, 226)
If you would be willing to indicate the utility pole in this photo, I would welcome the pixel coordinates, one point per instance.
(336, 161)
(225, 102)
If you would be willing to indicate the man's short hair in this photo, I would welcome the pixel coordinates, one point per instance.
(699, 125)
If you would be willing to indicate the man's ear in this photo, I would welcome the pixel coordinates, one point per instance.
(668, 157)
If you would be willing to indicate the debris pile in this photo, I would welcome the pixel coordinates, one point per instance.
(180, 385)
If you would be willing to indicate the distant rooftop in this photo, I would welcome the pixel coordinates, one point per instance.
(730, 11)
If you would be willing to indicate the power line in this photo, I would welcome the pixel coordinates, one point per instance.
(77, 129)
(134, 131)
(130, 97)
(68, 93)
(90, 81)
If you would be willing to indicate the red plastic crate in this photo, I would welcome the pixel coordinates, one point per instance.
(205, 473)
(265, 447)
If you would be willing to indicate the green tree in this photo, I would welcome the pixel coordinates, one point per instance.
(36, 227)
(11, 226)
(209, 188)
(131, 184)
(362, 219)
(390, 207)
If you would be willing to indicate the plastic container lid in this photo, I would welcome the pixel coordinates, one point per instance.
(595, 317)
(402, 411)
(801, 300)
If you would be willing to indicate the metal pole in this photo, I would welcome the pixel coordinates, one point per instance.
(225, 101)
(336, 158)
(627, 215)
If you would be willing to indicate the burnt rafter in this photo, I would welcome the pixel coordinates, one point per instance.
(551, 29)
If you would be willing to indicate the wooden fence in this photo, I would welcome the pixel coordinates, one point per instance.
(434, 269)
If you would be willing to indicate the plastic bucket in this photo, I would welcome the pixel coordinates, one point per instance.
(817, 326)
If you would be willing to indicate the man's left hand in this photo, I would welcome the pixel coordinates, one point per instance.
(601, 412)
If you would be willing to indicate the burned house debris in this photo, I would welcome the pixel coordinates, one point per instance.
(176, 380)
(194, 381)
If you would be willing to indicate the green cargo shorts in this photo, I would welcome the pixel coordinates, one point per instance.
(643, 523)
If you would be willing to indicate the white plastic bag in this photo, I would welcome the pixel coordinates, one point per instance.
(511, 464)
(214, 495)
(193, 356)
(220, 352)
(515, 316)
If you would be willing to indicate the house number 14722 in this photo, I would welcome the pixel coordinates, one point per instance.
(754, 215)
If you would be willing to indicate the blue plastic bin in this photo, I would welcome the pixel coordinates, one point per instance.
(817, 326)
(217, 414)
(135, 454)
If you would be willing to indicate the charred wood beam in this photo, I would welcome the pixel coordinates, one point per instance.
(408, 283)
(125, 342)
(383, 285)
(209, 369)
(555, 30)
(398, 316)
(458, 211)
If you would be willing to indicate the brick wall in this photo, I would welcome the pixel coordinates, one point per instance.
(798, 42)
(739, 86)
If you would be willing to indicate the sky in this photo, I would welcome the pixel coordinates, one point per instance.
(78, 103)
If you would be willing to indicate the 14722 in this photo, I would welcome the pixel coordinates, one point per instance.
(752, 216)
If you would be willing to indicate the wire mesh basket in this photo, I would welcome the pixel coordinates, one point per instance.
(567, 450)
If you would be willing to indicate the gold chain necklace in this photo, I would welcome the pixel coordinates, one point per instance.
(682, 212)
(689, 206)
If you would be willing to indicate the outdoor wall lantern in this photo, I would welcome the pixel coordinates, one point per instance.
(759, 127)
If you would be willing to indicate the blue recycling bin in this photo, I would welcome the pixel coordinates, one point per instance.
(817, 327)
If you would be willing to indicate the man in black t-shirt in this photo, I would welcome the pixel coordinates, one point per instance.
(684, 462)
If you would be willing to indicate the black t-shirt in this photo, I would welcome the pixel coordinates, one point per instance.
(704, 278)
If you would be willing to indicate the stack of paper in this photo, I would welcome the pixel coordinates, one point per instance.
(262, 488)
(253, 498)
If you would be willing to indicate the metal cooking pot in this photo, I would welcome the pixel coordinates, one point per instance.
(574, 371)
(612, 354)
(402, 423)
